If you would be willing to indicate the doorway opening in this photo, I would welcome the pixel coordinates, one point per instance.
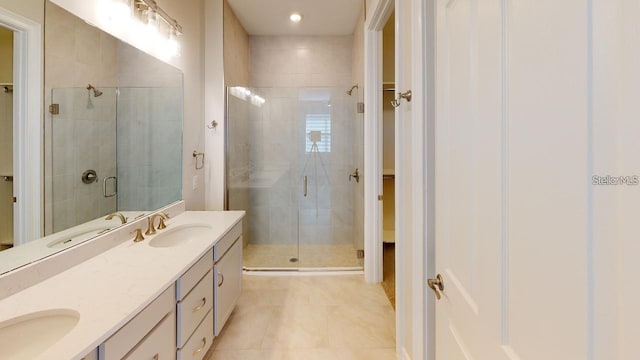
(6, 138)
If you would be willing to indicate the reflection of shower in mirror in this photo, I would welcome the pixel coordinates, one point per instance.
(96, 92)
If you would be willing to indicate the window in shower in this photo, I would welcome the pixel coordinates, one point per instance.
(318, 130)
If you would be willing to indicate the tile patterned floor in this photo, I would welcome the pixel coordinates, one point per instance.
(309, 256)
(308, 318)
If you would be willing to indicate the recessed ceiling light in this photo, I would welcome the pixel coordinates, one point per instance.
(295, 17)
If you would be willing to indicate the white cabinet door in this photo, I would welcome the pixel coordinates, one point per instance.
(529, 94)
(228, 285)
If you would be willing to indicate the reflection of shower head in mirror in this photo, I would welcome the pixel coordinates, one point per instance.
(96, 92)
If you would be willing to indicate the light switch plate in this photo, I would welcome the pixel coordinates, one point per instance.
(195, 182)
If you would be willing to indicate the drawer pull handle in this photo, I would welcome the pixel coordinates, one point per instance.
(204, 302)
(156, 357)
(221, 278)
(204, 343)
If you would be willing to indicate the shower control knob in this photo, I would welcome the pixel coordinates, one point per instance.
(89, 176)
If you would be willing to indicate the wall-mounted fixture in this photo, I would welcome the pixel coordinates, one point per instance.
(96, 92)
(89, 177)
(213, 125)
(355, 175)
(200, 156)
(403, 95)
(148, 19)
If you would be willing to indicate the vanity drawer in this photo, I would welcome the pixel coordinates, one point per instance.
(225, 243)
(135, 330)
(193, 308)
(190, 278)
(158, 344)
(200, 342)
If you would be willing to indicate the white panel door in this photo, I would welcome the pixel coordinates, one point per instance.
(468, 178)
(517, 99)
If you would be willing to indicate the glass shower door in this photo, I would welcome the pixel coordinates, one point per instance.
(83, 154)
(325, 140)
(289, 156)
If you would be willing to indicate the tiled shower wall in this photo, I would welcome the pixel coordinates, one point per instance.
(297, 76)
(301, 61)
(269, 158)
(149, 147)
(83, 137)
(358, 143)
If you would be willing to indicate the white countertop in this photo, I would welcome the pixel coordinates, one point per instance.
(108, 290)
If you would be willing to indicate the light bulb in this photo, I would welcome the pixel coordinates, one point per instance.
(295, 17)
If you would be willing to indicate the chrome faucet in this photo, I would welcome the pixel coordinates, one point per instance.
(118, 215)
(152, 219)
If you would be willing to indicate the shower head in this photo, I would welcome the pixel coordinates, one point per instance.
(350, 91)
(96, 92)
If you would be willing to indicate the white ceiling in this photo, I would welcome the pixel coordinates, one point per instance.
(319, 17)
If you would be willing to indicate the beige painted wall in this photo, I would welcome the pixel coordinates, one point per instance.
(6, 112)
(236, 50)
(31, 9)
(6, 56)
(190, 14)
(358, 145)
(301, 61)
(388, 51)
(388, 123)
(6, 138)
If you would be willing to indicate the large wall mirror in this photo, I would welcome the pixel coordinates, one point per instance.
(112, 137)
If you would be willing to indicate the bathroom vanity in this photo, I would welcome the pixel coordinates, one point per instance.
(165, 297)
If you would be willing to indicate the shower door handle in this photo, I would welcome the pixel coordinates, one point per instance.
(305, 186)
(115, 186)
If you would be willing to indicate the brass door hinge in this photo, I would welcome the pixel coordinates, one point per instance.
(14, 199)
(380, 197)
(54, 109)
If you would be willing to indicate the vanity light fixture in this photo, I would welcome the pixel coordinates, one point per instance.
(295, 17)
(149, 21)
(151, 7)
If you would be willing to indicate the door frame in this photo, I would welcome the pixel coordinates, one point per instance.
(421, 253)
(374, 25)
(27, 125)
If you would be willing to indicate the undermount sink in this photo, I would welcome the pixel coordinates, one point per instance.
(180, 234)
(30, 335)
(77, 236)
